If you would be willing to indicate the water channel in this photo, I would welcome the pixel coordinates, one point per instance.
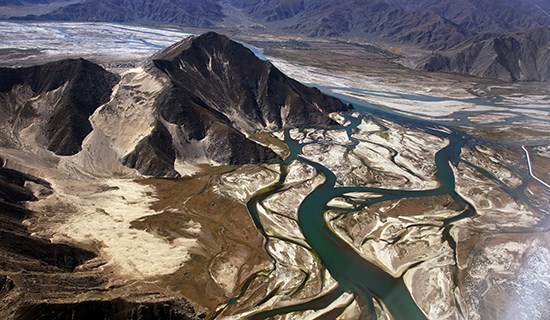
(353, 273)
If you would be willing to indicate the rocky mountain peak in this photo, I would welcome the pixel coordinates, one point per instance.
(208, 42)
(208, 54)
(202, 100)
(251, 92)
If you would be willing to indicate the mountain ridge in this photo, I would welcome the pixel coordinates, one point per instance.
(431, 25)
(187, 12)
(508, 56)
(58, 97)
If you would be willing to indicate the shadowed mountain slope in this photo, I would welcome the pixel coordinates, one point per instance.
(512, 56)
(55, 98)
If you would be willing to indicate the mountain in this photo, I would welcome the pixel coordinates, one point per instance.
(433, 24)
(185, 12)
(383, 19)
(515, 56)
(199, 101)
(503, 39)
(53, 99)
(481, 16)
(4, 3)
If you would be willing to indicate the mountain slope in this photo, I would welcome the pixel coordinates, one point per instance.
(18, 249)
(186, 12)
(21, 2)
(416, 22)
(433, 24)
(54, 100)
(511, 56)
(459, 31)
(383, 19)
(472, 15)
(482, 16)
(199, 101)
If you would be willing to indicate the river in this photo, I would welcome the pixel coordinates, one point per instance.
(353, 273)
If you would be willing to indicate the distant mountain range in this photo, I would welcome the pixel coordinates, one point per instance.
(22, 2)
(434, 25)
(522, 55)
(183, 12)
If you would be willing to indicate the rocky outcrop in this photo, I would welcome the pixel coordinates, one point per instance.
(154, 155)
(513, 56)
(57, 97)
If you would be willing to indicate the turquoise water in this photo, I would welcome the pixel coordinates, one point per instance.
(353, 273)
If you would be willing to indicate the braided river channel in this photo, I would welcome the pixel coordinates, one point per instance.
(353, 273)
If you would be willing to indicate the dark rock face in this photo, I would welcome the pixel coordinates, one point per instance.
(218, 93)
(154, 155)
(80, 87)
(513, 56)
